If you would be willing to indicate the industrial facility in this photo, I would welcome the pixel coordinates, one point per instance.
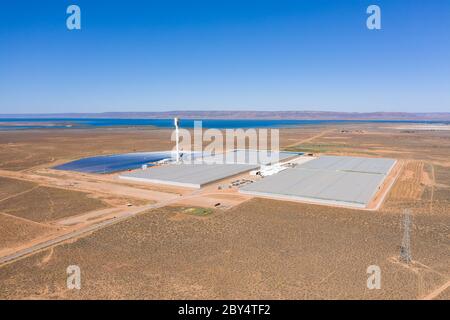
(331, 180)
(202, 171)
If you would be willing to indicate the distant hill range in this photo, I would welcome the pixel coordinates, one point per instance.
(272, 115)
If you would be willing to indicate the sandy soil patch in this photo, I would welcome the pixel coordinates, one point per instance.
(10, 187)
(15, 232)
(261, 249)
(44, 204)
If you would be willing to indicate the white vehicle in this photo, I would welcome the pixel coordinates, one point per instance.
(265, 171)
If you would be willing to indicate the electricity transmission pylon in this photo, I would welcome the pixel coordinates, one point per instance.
(405, 249)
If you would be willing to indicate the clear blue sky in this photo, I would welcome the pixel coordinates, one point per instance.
(224, 55)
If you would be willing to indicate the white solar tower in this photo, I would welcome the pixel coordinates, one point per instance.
(176, 122)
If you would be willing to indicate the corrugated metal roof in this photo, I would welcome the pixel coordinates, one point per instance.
(356, 164)
(351, 181)
(352, 188)
(245, 156)
(188, 175)
(209, 169)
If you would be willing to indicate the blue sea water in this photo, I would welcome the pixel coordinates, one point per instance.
(78, 123)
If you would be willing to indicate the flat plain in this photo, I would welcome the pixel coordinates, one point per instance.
(249, 249)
